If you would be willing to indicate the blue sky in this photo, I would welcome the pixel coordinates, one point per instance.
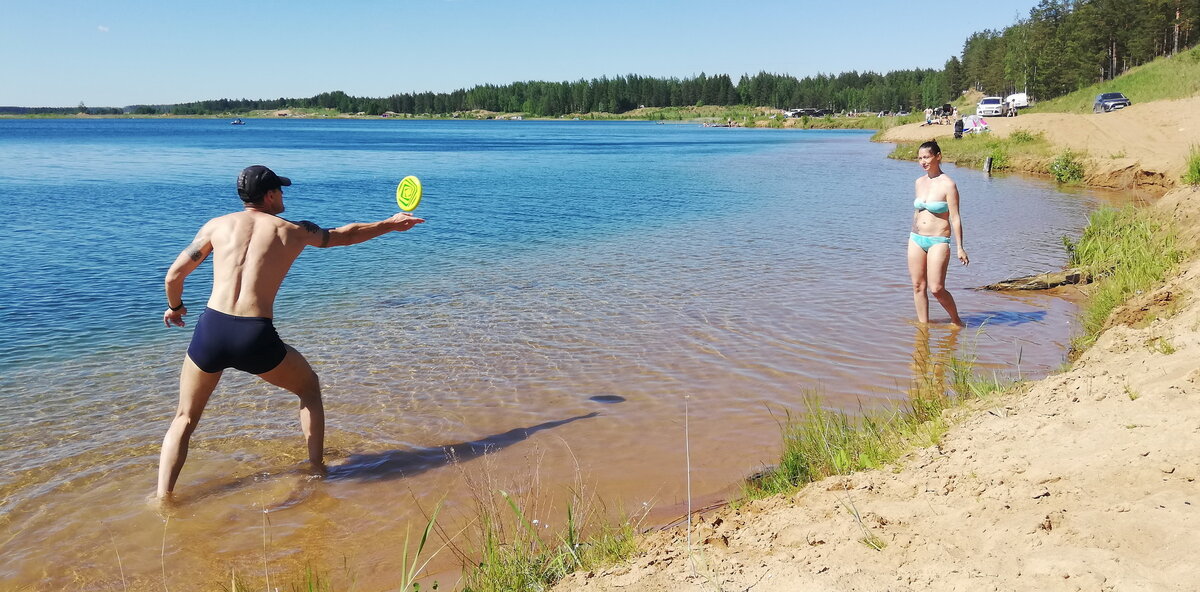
(58, 53)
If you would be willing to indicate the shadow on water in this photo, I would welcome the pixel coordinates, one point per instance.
(394, 464)
(391, 464)
(607, 399)
(1003, 318)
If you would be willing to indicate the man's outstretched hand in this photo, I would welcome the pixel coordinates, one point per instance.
(404, 220)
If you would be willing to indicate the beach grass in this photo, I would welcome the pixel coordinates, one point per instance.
(517, 552)
(974, 149)
(822, 442)
(1129, 251)
(1166, 78)
(513, 551)
(1191, 175)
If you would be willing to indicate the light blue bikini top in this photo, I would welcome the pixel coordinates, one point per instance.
(934, 207)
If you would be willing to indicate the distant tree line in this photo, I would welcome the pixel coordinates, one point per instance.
(866, 91)
(61, 110)
(1064, 45)
(1061, 46)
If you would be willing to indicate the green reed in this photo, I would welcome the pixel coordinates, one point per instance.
(1191, 175)
(821, 442)
(1129, 251)
(518, 553)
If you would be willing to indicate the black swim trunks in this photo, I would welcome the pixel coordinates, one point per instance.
(222, 341)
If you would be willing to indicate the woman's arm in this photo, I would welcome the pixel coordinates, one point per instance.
(956, 221)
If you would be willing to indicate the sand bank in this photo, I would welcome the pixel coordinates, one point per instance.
(1144, 145)
(1086, 480)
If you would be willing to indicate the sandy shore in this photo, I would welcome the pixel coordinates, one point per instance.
(1086, 480)
(1144, 145)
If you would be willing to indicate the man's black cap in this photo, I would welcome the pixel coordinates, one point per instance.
(255, 181)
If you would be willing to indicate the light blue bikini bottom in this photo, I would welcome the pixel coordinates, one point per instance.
(928, 241)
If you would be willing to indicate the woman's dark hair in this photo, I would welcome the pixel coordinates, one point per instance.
(932, 146)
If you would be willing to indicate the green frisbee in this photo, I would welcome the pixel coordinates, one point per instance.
(408, 193)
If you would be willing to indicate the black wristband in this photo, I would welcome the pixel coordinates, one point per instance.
(175, 308)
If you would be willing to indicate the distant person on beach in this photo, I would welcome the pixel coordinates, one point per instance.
(252, 252)
(936, 215)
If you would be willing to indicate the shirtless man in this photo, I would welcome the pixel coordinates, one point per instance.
(252, 253)
(936, 214)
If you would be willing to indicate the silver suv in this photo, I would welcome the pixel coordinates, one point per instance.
(991, 106)
(1112, 101)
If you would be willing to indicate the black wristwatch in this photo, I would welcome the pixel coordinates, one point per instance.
(174, 308)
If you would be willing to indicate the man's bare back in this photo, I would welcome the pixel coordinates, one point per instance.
(252, 252)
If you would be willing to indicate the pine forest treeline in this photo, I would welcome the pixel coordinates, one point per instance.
(1064, 45)
(867, 91)
(1061, 46)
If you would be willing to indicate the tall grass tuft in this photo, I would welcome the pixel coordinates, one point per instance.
(311, 583)
(517, 552)
(1129, 251)
(1192, 175)
(411, 567)
(821, 442)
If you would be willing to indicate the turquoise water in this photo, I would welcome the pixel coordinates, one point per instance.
(562, 264)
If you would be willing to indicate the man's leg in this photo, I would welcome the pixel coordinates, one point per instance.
(294, 374)
(195, 386)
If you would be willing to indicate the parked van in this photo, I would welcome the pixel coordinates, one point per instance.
(1017, 100)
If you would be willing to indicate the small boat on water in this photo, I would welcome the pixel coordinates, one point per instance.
(237, 122)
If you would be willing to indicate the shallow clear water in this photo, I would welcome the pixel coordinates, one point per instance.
(575, 281)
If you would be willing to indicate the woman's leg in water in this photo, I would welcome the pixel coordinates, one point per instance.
(917, 271)
(938, 260)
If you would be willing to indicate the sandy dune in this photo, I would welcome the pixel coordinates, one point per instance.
(1144, 144)
(1086, 480)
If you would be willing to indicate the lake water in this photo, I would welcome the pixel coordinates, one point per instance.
(574, 283)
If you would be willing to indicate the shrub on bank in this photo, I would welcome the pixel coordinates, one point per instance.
(1067, 167)
(1025, 137)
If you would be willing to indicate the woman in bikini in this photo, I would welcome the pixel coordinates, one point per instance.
(929, 243)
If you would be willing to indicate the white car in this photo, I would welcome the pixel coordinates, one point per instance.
(991, 106)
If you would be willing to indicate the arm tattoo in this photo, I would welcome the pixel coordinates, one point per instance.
(194, 252)
(309, 226)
